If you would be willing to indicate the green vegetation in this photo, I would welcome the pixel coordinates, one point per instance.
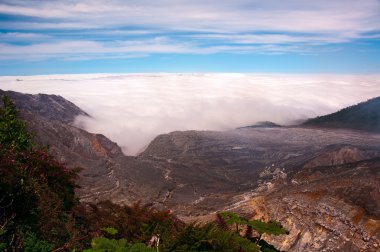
(36, 192)
(13, 134)
(39, 210)
(102, 244)
(210, 238)
(251, 227)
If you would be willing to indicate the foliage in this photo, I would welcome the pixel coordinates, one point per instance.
(137, 223)
(110, 230)
(210, 238)
(33, 244)
(36, 191)
(232, 218)
(102, 244)
(140, 247)
(13, 133)
(272, 228)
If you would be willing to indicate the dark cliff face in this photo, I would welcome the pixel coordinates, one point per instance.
(322, 184)
(363, 116)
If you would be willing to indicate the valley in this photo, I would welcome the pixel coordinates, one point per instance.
(322, 184)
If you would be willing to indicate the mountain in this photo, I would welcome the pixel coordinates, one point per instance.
(363, 116)
(322, 184)
(262, 124)
(50, 107)
(50, 118)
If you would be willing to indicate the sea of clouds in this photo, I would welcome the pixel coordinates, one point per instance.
(132, 109)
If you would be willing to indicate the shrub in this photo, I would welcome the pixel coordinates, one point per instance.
(36, 191)
(102, 244)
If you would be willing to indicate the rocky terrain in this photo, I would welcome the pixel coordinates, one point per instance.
(330, 208)
(107, 173)
(211, 167)
(322, 184)
(325, 208)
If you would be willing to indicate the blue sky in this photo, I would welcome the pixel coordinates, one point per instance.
(271, 36)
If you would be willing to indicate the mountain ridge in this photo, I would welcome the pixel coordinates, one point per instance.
(362, 116)
(58, 107)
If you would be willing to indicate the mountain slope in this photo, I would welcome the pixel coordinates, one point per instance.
(107, 173)
(50, 107)
(363, 116)
(297, 171)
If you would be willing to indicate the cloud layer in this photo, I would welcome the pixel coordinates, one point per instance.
(93, 29)
(132, 109)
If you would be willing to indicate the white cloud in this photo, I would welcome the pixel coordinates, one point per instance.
(92, 49)
(323, 20)
(132, 109)
(88, 49)
(51, 25)
(271, 38)
(20, 36)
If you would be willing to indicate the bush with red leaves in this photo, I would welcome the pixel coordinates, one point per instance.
(36, 191)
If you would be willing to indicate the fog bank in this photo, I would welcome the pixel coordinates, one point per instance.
(131, 109)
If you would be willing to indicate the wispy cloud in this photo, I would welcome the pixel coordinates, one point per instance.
(87, 50)
(234, 16)
(20, 36)
(241, 26)
(90, 49)
(272, 38)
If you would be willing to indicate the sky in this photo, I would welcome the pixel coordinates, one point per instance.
(186, 36)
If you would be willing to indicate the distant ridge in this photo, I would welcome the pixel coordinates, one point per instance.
(262, 124)
(363, 116)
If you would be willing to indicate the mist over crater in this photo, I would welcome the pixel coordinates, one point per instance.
(132, 109)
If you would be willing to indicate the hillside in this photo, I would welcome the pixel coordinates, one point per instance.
(40, 211)
(107, 173)
(50, 107)
(198, 173)
(363, 116)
